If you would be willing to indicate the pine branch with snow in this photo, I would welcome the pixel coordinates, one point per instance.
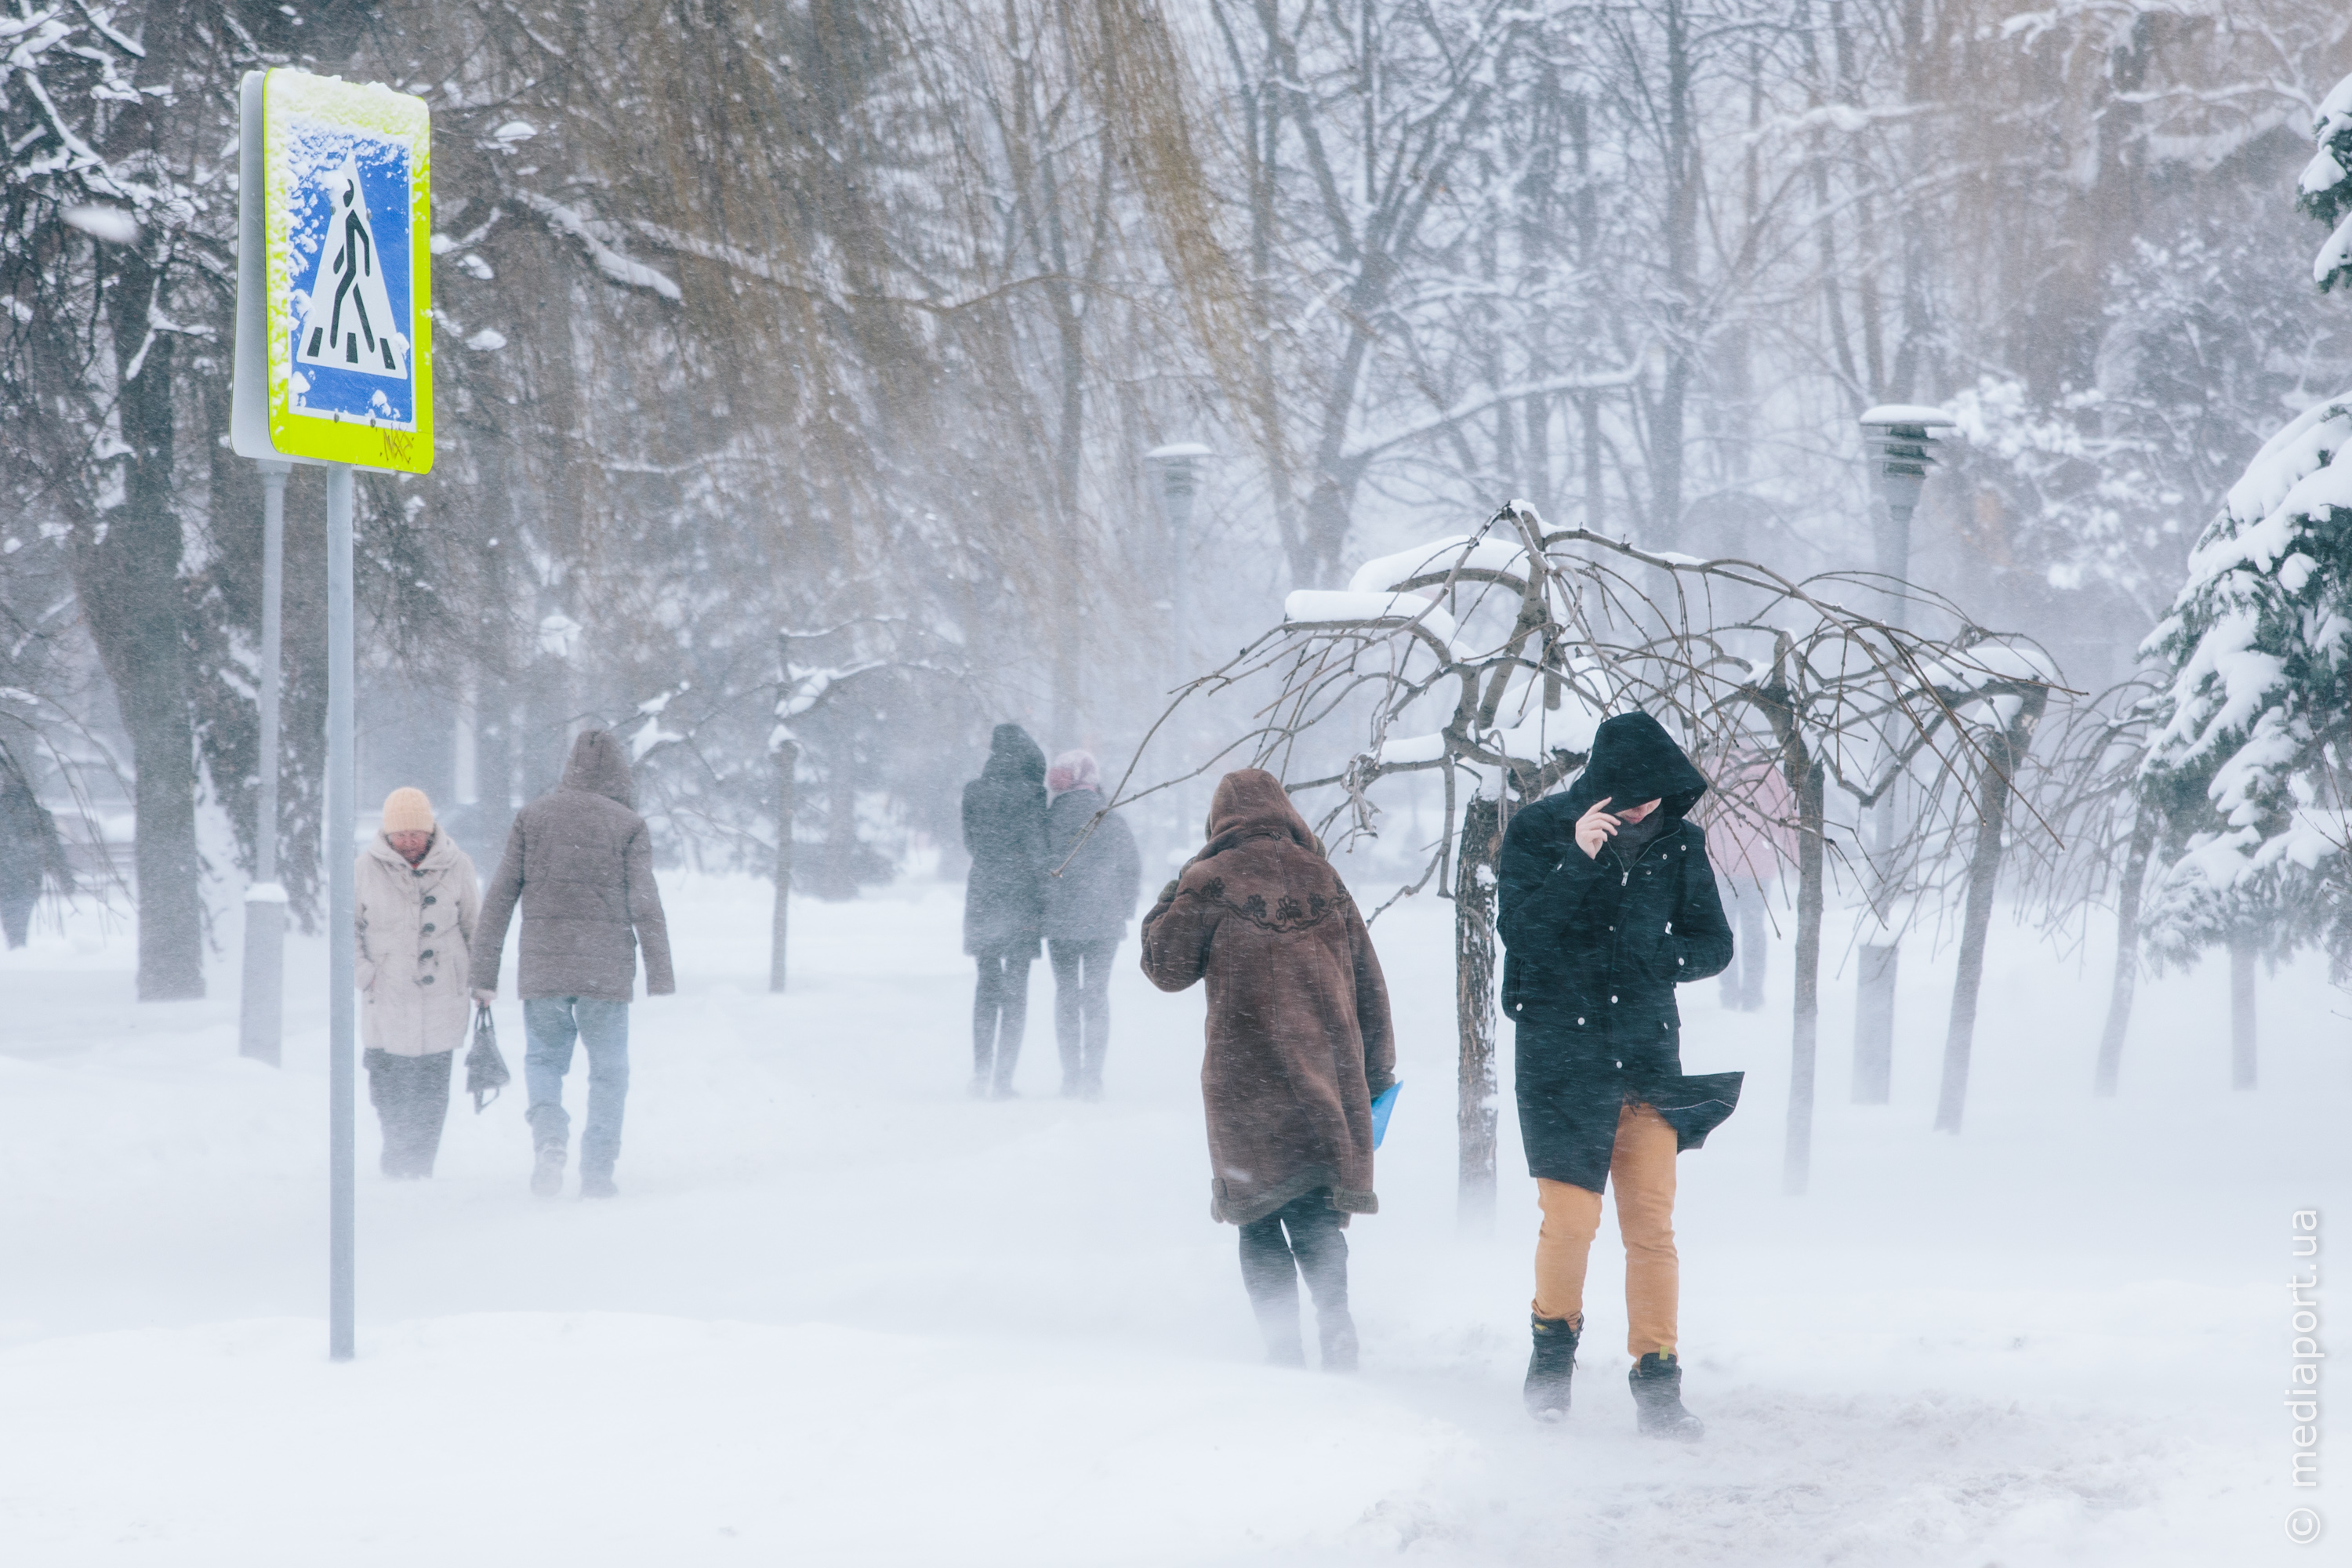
(2254, 726)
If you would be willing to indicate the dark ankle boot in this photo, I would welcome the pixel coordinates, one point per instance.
(1551, 1366)
(1657, 1383)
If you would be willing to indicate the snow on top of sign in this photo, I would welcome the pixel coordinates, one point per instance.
(1439, 555)
(485, 341)
(1910, 414)
(515, 130)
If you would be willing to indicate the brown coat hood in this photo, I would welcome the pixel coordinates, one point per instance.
(1299, 1033)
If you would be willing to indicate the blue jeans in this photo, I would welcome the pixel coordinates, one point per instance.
(549, 1024)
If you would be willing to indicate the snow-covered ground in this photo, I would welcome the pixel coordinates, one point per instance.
(843, 1315)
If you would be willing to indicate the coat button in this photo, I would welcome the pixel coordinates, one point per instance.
(427, 981)
(428, 897)
(425, 954)
(1613, 999)
(416, 871)
(1579, 1020)
(428, 927)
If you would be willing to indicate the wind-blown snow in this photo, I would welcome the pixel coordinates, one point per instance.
(842, 1315)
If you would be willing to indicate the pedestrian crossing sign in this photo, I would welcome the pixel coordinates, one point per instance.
(346, 223)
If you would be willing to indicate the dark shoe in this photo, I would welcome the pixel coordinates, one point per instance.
(547, 1174)
(1551, 1366)
(1657, 1383)
(593, 1185)
(1338, 1331)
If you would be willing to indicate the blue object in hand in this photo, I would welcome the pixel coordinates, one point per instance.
(1382, 1105)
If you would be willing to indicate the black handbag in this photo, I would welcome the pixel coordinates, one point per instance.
(486, 1069)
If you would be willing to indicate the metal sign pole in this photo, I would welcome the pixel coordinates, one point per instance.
(262, 1003)
(341, 980)
(334, 365)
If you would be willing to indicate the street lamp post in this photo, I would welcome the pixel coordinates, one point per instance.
(1179, 466)
(1902, 449)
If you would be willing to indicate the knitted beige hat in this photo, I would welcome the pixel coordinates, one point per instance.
(406, 810)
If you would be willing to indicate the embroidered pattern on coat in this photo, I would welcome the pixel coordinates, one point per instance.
(1290, 914)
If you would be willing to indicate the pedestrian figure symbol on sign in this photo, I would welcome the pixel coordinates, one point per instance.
(350, 324)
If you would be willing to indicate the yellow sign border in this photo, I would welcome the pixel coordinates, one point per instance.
(378, 111)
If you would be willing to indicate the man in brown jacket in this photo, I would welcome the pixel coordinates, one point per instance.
(1299, 1046)
(580, 861)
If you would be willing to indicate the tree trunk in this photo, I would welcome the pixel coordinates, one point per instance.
(1474, 1006)
(1796, 1164)
(2241, 1012)
(839, 881)
(2119, 999)
(787, 760)
(127, 578)
(2003, 752)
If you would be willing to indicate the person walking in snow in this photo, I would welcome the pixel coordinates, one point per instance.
(1299, 1047)
(415, 904)
(1091, 882)
(1607, 903)
(1003, 899)
(30, 852)
(580, 862)
(1746, 856)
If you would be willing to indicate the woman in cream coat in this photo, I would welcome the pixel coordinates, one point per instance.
(416, 898)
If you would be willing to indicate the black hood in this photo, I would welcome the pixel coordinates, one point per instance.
(1012, 755)
(1635, 760)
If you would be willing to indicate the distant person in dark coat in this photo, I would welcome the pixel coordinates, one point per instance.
(1003, 899)
(30, 851)
(580, 862)
(1606, 905)
(1090, 889)
(1299, 1044)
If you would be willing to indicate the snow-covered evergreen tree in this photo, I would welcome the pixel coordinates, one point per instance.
(2258, 720)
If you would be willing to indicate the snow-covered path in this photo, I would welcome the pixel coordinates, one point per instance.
(841, 1314)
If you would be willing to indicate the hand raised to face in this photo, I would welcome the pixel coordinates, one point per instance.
(1599, 825)
(1595, 827)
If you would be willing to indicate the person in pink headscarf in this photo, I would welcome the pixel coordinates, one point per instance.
(1091, 881)
(1748, 844)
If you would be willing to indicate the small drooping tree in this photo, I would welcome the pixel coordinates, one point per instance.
(1524, 638)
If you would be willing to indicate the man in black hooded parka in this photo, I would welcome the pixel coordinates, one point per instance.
(1003, 899)
(1607, 904)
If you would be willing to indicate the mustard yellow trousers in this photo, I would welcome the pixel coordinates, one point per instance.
(1642, 1172)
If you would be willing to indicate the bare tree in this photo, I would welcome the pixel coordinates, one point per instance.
(1524, 638)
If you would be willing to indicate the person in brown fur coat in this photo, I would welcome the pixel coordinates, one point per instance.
(1298, 1045)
